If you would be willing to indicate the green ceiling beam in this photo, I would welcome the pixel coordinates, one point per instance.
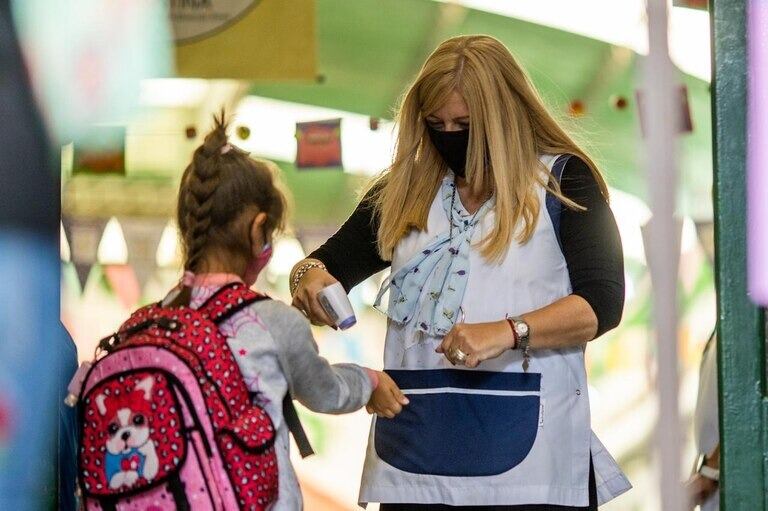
(369, 50)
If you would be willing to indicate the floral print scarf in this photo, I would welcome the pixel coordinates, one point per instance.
(427, 292)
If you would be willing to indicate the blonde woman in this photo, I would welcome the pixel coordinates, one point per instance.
(505, 261)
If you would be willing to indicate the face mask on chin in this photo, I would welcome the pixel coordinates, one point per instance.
(452, 147)
(256, 265)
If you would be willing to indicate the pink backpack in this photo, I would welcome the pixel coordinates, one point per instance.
(167, 421)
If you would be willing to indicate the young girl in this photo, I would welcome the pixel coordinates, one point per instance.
(229, 208)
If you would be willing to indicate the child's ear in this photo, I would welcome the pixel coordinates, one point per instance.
(257, 231)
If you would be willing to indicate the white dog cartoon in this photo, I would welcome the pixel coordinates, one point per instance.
(130, 452)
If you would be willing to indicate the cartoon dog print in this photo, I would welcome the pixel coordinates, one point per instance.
(130, 451)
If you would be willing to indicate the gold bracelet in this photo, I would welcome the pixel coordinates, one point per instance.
(295, 271)
(301, 271)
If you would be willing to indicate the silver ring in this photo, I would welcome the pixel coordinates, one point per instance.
(459, 356)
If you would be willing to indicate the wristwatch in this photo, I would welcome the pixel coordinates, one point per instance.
(705, 470)
(523, 334)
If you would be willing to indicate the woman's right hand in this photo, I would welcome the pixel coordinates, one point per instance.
(305, 296)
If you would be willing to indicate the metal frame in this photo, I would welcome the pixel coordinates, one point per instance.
(741, 327)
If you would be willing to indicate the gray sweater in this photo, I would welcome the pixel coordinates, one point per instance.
(275, 350)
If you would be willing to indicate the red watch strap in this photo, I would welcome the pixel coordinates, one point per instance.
(514, 333)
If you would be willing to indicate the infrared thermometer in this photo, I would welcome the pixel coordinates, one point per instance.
(336, 304)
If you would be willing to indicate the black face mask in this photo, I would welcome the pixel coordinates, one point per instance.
(452, 146)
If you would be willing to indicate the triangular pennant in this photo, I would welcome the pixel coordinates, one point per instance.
(142, 272)
(71, 285)
(82, 270)
(84, 235)
(66, 224)
(122, 280)
(142, 237)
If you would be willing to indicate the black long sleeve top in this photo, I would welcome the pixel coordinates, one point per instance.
(589, 239)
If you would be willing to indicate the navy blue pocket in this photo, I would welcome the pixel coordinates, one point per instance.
(461, 423)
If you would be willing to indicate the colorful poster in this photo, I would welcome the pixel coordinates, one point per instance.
(101, 151)
(318, 144)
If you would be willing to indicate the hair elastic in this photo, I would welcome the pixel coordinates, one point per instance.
(188, 279)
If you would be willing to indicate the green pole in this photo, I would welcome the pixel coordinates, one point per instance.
(741, 335)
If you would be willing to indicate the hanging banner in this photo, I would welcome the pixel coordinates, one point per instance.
(702, 5)
(83, 236)
(101, 150)
(142, 236)
(245, 39)
(684, 120)
(83, 271)
(318, 144)
(122, 279)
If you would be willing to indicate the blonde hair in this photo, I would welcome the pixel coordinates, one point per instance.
(509, 129)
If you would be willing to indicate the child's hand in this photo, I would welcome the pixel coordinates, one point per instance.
(387, 400)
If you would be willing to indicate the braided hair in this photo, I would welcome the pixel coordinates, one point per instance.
(218, 188)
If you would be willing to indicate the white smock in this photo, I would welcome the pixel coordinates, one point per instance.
(706, 427)
(493, 435)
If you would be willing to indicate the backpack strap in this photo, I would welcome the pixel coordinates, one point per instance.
(108, 503)
(291, 418)
(228, 301)
(554, 206)
(176, 488)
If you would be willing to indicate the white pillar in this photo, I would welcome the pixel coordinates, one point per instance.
(661, 113)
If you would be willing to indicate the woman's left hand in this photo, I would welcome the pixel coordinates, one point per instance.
(478, 341)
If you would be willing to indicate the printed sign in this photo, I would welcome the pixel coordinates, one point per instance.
(318, 144)
(245, 39)
(198, 19)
